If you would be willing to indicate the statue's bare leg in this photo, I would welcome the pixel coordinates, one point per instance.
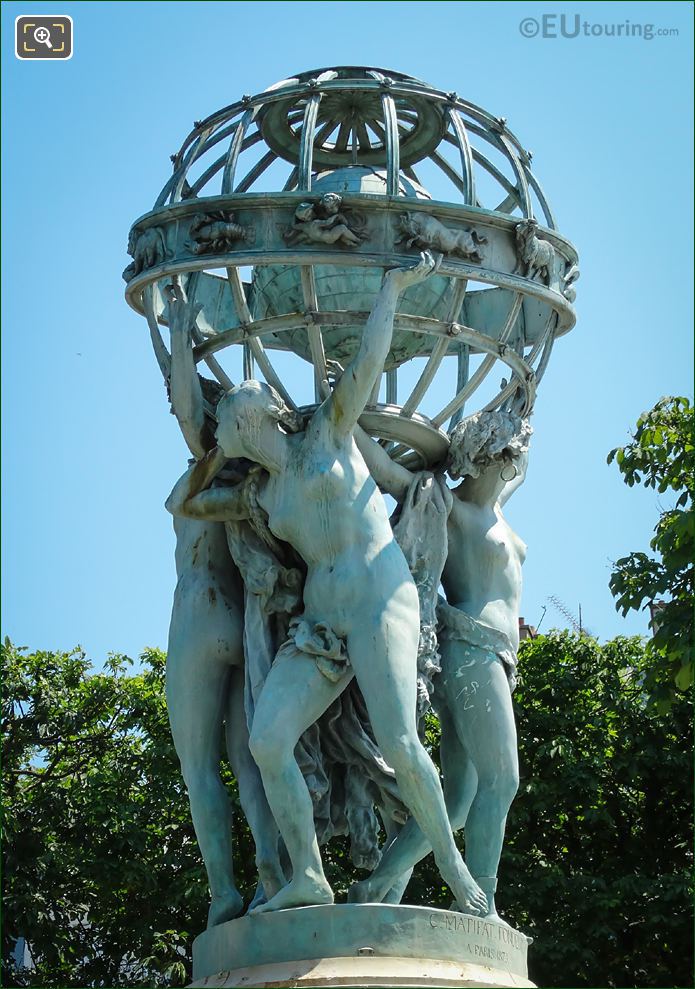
(395, 893)
(251, 793)
(410, 846)
(383, 656)
(294, 695)
(481, 704)
(196, 697)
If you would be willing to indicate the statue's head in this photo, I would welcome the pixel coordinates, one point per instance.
(331, 202)
(246, 417)
(487, 439)
(526, 229)
(132, 241)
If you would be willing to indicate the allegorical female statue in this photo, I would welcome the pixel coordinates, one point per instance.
(478, 641)
(205, 657)
(361, 614)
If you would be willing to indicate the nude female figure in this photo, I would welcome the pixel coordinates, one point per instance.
(205, 664)
(478, 640)
(320, 497)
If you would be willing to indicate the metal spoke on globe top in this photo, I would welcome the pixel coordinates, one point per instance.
(392, 387)
(264, 163)
(235, 150)
(313, 329)
(291, 181)
(362, 136)
(374, 397)
(341, 141)
(468, 181)
(439, 350)
(522, 184)
(513, 192)
(252, 342)
(214, 366)
(449, 171)
(306, 148)
(463, 363)
(158, 345)
(392, 145)
(545, 205)
(210, 172)
(198, 337)
(485, 367)
(324, 132)
(543, 341)
(190, 158)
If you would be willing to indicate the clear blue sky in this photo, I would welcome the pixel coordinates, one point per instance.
(90, 449)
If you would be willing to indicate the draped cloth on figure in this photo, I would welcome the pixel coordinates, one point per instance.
(420, 528)
(456, 625)
(338, 755)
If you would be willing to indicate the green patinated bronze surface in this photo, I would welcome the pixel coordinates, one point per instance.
(306, 623)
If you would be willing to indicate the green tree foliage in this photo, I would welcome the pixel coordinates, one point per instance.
(101, 869)
(597, 866)
(103, 877)
(661, 455)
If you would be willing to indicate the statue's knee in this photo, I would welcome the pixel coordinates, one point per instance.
(514, 779)
(502, 785)
(457, 807)
(202, 780)
(267, 747)
(406, 755)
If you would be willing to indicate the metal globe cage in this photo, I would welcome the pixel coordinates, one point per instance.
(315, 187)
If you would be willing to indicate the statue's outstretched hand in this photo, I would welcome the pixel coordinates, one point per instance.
(426, 266)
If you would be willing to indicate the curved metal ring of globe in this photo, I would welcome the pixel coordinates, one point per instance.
(352, 206)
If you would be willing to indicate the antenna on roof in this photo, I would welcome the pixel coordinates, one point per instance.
(575, 622)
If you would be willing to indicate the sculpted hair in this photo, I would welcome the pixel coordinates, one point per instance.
(262, 399)
(484, 439)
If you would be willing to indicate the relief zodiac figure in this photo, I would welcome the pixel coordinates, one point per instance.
(320, 498)
(478, 640)
(324, 223)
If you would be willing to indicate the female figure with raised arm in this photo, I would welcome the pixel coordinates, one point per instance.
(360, 603)
(205, 662)
(478, 640)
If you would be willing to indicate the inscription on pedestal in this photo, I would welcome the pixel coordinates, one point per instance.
(374, 930)
(499, 936)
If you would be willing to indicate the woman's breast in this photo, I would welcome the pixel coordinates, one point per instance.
(326, 511)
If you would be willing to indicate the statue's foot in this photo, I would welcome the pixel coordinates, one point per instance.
(489, 915)
(469, 896)
(259, 897)
(493, 915)
(223, 908)
(304, 891)
(368, 891)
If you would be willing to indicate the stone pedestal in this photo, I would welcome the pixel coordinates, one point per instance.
(360, 945)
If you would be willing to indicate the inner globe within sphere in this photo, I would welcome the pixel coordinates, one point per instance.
(277, 289)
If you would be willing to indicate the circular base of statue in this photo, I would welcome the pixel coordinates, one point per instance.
(360, 945)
